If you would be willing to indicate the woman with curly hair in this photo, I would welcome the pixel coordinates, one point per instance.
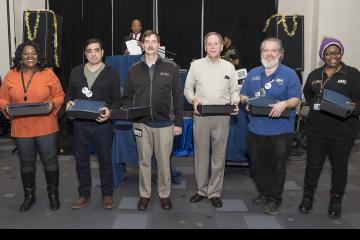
(28, 81)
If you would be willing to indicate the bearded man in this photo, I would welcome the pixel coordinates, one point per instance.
(270, 137)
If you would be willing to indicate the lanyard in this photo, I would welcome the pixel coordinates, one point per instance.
(322, 84)
(26, 87)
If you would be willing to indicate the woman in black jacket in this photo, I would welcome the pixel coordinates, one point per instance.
(328, 134)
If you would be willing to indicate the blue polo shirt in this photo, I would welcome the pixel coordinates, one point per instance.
(283, 84)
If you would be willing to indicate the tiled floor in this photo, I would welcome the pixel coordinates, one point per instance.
(238, 211)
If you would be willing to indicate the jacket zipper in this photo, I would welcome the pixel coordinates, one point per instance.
(151, 111)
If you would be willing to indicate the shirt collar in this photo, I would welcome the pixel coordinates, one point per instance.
(341, 71)
(277, 70)
(211, 61)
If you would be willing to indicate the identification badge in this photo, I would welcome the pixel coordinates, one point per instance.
(316, 106)
(88, 93)
(137, 132)
(267, 85)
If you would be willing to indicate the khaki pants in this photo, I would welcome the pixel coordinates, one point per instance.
(212, 130)
(161, 140)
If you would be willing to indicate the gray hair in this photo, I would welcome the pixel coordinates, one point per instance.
(278, 42)
(210, 34)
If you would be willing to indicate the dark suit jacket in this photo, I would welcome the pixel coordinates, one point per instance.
(125, 39)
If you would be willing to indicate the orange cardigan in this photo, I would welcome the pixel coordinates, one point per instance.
(44, 87)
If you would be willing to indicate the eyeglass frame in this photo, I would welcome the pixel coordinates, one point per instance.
(335, 54)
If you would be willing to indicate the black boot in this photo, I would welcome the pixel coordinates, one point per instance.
(52, 180)
(307, 203)
(334, 210)
(28, 180)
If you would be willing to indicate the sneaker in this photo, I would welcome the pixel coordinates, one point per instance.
(261, 199)
(216, 202)
(272, 206)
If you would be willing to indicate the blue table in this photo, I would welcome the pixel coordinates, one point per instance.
(236, 147)
(122, 63)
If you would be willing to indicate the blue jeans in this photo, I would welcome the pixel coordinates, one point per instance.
(100, 135)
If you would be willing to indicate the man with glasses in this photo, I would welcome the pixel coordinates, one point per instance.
(270, 137)
(154, 82)
(98, 82)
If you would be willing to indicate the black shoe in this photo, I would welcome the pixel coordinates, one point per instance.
(272, 206)
(216, 202)
(197, 198)
(143, 203)
(306, 204)
(28, 201)
(54, 200)
(261, 199)
(334, 210)
(165, 203)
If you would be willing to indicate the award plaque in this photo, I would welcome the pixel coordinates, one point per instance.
(336, 103)
(216, 109)
(85, 109)
(259, 106)
(129, 113)
(25, 109)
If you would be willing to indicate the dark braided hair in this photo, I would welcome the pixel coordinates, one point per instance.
(17, 59)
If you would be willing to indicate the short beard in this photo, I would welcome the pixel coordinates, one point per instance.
(270, 63)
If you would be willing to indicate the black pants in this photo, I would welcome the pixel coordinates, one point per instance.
(338, 151)
(86, 135)
(28, 148)
(268, 156)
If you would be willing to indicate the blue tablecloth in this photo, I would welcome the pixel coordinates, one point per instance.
(122, 63)
(184, 144)
(236, 147)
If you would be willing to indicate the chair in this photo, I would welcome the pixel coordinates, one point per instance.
(300, 134)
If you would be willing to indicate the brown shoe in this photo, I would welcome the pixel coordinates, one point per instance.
(108, 202)
(80, 202)
(216, 202)
(143, 203)
(165, 203)
(197, 198)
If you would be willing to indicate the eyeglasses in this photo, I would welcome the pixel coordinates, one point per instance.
(329, 54)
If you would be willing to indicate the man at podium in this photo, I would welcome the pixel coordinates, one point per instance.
(135, 34)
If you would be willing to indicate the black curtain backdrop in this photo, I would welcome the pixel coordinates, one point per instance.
(180, 29)
(97, 18)
(70, 11)
(179, 26)
(124, 12)
(243, 21)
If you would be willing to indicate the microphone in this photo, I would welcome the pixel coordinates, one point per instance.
(166, 51)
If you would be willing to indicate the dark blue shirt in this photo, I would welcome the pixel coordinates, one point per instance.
(282, 85)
